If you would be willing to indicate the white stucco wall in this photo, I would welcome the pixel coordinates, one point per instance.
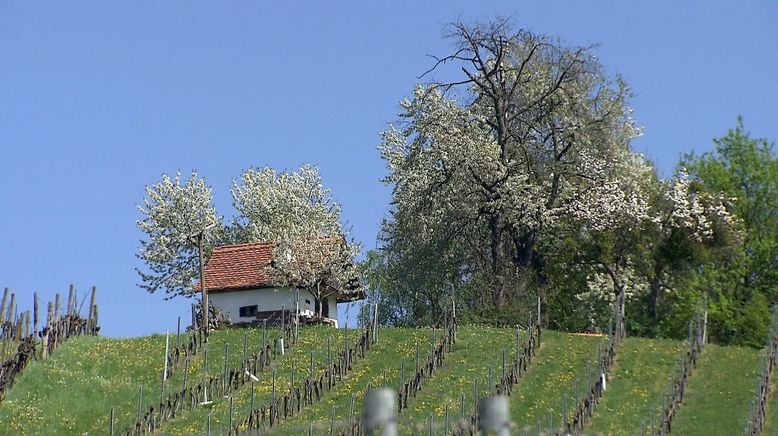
(267, 299)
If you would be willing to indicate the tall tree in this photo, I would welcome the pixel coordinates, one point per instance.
(655, 256)
(484, 168)
(745, 170)
(175, 214)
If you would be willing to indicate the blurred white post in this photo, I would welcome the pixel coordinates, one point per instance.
(380, 412)
(493, 415)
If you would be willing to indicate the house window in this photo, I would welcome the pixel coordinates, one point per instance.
(248, 311)
(308, 302)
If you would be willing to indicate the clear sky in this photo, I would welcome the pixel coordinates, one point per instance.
(98, 99)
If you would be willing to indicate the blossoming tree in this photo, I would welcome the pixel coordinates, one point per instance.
(484, 168)
(295, 210)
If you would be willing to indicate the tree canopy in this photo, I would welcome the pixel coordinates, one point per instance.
(518, 180)
(292, 209)
(534, 136)
(174, 213)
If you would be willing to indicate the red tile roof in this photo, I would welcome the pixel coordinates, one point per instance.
(239, 266)
(246, 266)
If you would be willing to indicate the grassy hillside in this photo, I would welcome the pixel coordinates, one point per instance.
(639, 378)
(562, 360)
(73, 391)
(720, 392)
(312, 340)
(478, 349)
(395, 345)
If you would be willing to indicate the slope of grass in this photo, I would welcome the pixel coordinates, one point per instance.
(720, 392)
(394, 345)
(641, 375)
(477, 350)
(312, 340)
(561, 360)
(73, 391)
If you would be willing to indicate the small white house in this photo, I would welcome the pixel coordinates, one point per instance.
(239, 283)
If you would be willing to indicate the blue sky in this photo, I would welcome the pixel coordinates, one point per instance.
(98, 99)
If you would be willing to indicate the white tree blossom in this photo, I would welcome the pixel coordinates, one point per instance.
(538, 136)
(274, 206)
(174, 213)
(691, 210)
(299, 214)
(678, 207)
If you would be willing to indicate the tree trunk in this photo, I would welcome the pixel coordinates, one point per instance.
(318, 301)
(652, 306)
(525, 249)
(498, 256)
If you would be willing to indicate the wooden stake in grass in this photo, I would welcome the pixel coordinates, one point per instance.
(251, 409)
(167, 351)
(71, 292)
(35, 312)
(11, 317)
(232, 409)
(297, 316)
(90, 321)
(491, 384)
(564, 411)
(417, 357)
(45, 335)
(140, 400)
(2, 307)
(445, 419)
(291, 376)
(186, 374)
(402, 374)
(550, 423)
(351, 408)
(503, 364)
(224, 371)
(56, 306)
(96, 317)
(26, 323)
(205, 385)
(329, 362)
(245, 350)
(375, 323)
(274, 385)
(194, 318)
(475, 397)
(112, 418)
(264, 334)
(332, 422)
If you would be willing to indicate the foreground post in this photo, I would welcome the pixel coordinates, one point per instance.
(379, 413)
